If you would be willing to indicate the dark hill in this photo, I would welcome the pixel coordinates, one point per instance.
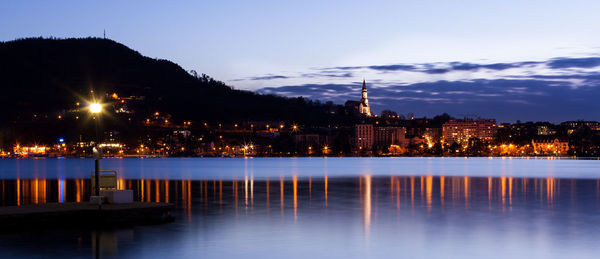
(47, 75)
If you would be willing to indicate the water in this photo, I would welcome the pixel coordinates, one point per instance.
(333, 207)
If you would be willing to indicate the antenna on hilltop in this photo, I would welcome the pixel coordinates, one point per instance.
(104, 33)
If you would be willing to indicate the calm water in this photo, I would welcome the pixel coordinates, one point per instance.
(325, 208)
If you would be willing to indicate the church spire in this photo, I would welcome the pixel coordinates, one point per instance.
(364, 101)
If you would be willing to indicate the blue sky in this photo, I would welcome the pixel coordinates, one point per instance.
(491, 58)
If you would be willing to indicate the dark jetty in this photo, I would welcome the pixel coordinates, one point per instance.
(61, 215)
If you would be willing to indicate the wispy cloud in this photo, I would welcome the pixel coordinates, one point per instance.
(506, 100)
(329, 74)
(555, 89)
(396, 67)
(588, 62)
(267, 77)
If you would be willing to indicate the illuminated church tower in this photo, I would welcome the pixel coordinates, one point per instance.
(363, 107)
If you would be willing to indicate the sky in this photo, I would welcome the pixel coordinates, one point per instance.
(509, 60)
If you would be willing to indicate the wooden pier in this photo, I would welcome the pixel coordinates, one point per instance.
(53, 215)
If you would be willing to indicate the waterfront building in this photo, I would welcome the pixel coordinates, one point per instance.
(364, 135)
(572, 126)
(545, 130)
(30, 150)
(384, 137)
(111, 148)
(550, 146)
(460, 131)
(306, 143)
(432, 135)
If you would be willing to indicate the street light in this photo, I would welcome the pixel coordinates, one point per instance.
(95, 108)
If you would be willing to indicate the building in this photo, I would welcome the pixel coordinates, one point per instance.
(460, 131)
(572, 126)
(30, 150)
(432, 134)
(364, 135)
(544, 130)
(306, 143)
(362, 106)
(384, 137)
(550, 146)
(182, 133)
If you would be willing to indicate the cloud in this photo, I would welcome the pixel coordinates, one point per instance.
(521, 68)
(588, 62)
(586, 76)
(437, 71)
(438, 67)
(493, 66)
(396, 67)
(327, 74)
(268, 77)
(556, 89)
(503, 99)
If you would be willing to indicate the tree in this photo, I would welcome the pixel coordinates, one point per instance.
(439, 120)
(454, 147)
(387, 114)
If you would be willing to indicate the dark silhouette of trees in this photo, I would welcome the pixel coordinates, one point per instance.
(386, 114)
(44, 77)
(439, 120)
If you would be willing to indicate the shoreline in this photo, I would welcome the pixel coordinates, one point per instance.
(300, 156)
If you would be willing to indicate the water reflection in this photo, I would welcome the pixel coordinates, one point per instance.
(366, 201)
(311, 207)
(281, 193)
(499, 193)
(371, 208)
(295, 184)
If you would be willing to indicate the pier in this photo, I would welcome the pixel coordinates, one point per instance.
(52, 215)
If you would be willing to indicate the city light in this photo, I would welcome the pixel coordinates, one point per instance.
(95, 108)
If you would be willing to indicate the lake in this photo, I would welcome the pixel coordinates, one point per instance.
(324, 207)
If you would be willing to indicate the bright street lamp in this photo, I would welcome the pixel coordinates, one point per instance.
(95, 108)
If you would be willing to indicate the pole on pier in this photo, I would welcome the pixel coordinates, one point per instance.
(97, 157)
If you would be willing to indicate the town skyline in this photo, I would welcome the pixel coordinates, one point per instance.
(367, 134)
(147, 112)
(299, 129)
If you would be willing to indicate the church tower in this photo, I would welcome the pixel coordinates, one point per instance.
(364, 102)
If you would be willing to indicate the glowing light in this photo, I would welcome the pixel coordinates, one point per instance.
(366, 196)
(295, 184)
(95, 108)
